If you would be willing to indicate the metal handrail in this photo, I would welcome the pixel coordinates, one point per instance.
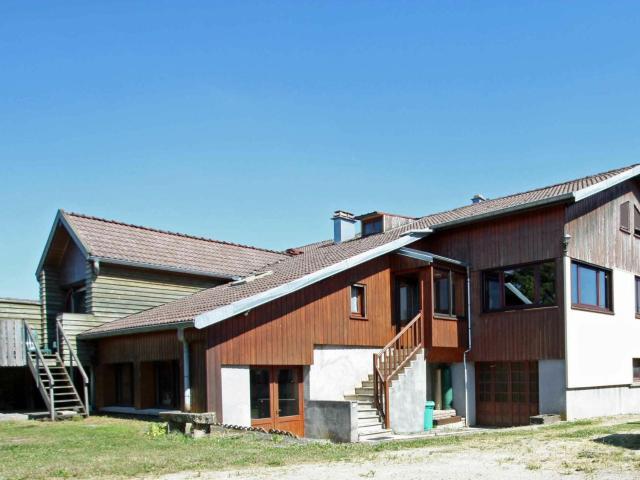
(72, 356)
(31, 344)
(395, 356)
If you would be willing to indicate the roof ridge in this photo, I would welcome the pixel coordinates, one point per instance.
(169, 232)
(619, 170)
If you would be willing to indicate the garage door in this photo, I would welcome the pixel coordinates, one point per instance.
(506, 393)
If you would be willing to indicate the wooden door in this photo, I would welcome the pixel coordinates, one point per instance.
(506, 393)
(277, 398)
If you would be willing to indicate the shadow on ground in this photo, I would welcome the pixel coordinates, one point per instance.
(624, 440)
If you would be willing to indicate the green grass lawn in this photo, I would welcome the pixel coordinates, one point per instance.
(102, 446)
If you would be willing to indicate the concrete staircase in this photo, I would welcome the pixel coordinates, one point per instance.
(447, 418)
(370, 425)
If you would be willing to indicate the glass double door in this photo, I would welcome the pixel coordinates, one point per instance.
(277, 398)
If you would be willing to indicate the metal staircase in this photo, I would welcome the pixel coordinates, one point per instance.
(52, 378)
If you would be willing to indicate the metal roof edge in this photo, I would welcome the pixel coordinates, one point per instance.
(131, 330)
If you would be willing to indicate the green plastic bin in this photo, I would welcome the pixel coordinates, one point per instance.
(428, 414)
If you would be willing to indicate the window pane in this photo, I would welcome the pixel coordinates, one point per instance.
(357, 299)
(624, 216)
(441, 291)
(260, 397)
(371, 227)
(603, 281)
(287, 393)
(574, 283)
(519, 286)
(588, 288)
(637, 295)
(636, 369)
(548, 283)
(492, 291)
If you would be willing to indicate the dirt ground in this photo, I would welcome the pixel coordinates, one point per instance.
(528, 456)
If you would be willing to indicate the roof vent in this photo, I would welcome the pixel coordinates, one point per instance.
(478, 198)
(344, 226)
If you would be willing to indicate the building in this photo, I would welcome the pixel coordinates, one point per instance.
(498, 310)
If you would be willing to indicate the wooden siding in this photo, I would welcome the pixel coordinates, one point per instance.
(594, 226)
(74, 324)
(29, 310)
(119, 291)
(52, 300)
(529, 334)
(12, 349)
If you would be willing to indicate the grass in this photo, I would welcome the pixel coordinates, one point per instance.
(110, 447)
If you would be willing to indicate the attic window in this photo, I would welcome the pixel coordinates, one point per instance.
(358, 301)
(625, 221)
(370, 227)
(636, 220)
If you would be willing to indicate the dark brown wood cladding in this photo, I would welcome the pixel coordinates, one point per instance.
(529, 334)
(594, 226)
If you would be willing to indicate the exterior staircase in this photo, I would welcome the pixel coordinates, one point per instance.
(448, 418)
(370, 423)
(62, 397)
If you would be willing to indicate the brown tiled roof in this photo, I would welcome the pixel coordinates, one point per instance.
(322, 254)
(117, 241)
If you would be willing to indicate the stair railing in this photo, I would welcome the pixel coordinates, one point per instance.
(72, 357)
(31, 346)
(391, 359)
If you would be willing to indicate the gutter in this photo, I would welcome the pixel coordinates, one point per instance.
(126, 331)
(466, 352)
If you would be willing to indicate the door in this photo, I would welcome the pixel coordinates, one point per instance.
(277, 398)
(407, 299)
(506, 393)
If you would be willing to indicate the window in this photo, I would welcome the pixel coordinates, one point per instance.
(75, 301)
(625, 221)
(408, 298)
(448, 293)
(260, 392)
(636, 220)
(636, 370)
(590, 286)
(124, 384)
(370, 227)
(638, 297)
(358, 300)
(520, 287)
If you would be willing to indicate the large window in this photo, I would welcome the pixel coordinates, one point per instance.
(590, 287)
(358, 301)
(525, 286)
(448, 292)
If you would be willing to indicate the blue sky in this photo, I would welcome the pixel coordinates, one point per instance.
(253, 121)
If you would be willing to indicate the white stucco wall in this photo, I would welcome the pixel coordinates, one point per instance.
(336, 370)
(457, 377)
(599, 402)
(407, 397)
(600, 347)
(551, 386)
(236, 396)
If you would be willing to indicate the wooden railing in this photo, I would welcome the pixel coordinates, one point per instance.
(71, 357)
(32, 346)
(390, 360)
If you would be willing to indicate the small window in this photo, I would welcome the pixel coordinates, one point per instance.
(75, 300)
(520, 287)
(638, 297)
(590, 287)
(636, 370)
(448, 293)
(625, 221)
(358, 300)
(636, 220)
(370, 227)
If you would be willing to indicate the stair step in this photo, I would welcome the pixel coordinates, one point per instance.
(370, 429)
(447, 421)
(367, 415)
(364, 391)
(374, 433)
(369, 422)
(367, 383)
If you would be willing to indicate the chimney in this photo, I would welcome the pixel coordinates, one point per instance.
(478, 198)
(344, 226)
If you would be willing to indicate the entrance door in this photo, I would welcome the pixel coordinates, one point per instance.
(506, 393)
(277, 398)
(407, 299)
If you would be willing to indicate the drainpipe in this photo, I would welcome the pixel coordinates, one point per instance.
(185, 370)
(464, 356)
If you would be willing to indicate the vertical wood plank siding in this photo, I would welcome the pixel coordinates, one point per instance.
(52, 299)
(594, 226)
(29, 310)
(529, 237)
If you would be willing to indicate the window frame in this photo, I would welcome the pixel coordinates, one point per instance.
(537, 290)
(637, 291)
(636, 221)
(372, 221)
(587, 306)
(451, 274)
(362, 314)
(634, 362)
(625, 215)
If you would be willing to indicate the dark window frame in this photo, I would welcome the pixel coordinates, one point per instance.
(636, 221)
(625, 216)
(377, 223)
(637, 289)
(537, 287)
(361, 314)
(452, 307)
(635, 365)
(608, 293)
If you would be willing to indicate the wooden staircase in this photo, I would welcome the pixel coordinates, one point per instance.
(53, 377)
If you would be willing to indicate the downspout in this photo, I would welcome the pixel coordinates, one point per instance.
(185, 370)
(464, 356)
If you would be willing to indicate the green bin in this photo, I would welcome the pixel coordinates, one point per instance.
(428, 414)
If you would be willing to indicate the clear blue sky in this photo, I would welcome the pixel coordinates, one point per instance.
(253, 121)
